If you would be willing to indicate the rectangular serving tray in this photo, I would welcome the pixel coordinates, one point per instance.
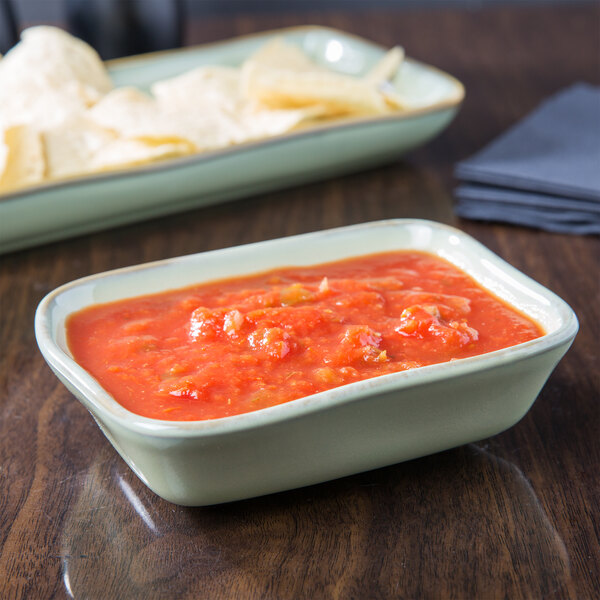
(72, 207)
(338, 432)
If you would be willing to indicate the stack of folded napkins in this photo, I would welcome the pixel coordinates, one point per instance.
(543, 172)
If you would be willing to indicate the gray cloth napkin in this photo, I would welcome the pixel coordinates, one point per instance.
(543, 172)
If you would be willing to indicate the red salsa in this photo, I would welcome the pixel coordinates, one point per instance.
(239, 345)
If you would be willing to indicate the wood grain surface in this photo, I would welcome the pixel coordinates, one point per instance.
(514, 516)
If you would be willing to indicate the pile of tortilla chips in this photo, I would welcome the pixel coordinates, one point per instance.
(61, 117)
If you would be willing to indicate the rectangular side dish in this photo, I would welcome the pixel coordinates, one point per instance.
(66, 208)
(338, 432)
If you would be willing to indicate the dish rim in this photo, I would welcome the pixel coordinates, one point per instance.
(98, 400)
(284, 138)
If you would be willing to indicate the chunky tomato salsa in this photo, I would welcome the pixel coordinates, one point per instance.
(239, 345)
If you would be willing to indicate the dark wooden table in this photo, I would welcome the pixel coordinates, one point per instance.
(514, 516)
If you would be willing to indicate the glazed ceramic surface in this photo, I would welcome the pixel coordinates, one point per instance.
(90, 203)
(346, 430)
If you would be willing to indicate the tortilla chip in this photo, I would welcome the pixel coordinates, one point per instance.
(53, 58)
(203, 88)
(339, 94)
(48, 77)
(81, 146)
(134, 115)
(44, 108)
(278, 54)
(258, 122)
(386, 67)
(21, 157)
(215, 93)
(71, 146)
(383, 72)
(121, 154)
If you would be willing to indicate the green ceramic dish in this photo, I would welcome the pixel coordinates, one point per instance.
(63, 209)
(353, 428)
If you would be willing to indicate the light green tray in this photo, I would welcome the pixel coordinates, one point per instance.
(64, 209)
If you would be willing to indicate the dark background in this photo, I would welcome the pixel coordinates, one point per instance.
(31, 12)
(125, 27)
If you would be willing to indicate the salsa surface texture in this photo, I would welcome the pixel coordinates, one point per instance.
(239, 345)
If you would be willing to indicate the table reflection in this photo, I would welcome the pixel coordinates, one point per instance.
(118, 531)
